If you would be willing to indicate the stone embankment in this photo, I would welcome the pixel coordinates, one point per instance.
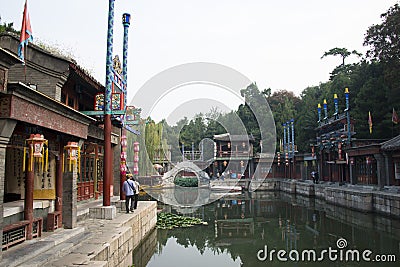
(358, 197)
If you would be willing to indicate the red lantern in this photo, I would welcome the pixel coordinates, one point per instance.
(123, 168)
(123, 141)
(136, 147)
(72, 150)
(73, 154)
(279, 158)
(36, 142)
(287, 159)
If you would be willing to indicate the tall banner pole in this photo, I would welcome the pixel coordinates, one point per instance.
(108, 158)
(125, 22)
(346, 94)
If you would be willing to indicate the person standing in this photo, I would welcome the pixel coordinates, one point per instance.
(136, 196)
(129, 189)
(316, 174)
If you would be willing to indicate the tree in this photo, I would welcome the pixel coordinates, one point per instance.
(7, 27)
(383, 39)
(384, 46)
(284, 105)
(342, 52)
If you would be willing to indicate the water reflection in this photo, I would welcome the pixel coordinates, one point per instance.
(242, 225)
(187, 196)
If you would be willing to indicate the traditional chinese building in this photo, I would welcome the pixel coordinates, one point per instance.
(42, 101)
(234, 156)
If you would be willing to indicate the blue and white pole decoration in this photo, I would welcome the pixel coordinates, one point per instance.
(284, 137)
(288, 137)
(123, 166)
(126, 21)
(109, 61)
(293, 147)
(325, 110)
(108, 159)
(336, 101)
(319, 112)
(347, 110)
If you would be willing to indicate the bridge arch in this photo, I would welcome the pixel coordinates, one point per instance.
(169, 177)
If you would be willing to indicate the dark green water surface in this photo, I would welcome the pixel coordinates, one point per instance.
(243, 229)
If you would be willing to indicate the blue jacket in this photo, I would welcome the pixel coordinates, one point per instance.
(127, 188)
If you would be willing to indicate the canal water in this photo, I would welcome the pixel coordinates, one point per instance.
(273, 229)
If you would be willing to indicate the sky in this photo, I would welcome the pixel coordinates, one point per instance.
(277, 44)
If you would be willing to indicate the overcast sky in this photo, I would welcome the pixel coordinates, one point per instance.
(276, 43)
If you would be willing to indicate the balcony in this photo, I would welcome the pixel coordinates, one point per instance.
(226, 155)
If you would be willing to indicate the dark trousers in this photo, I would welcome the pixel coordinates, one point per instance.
(129, 200)
(135, 200)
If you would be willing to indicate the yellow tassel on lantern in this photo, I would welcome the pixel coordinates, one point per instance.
(46, 162)
(23, 160)
(41, 160)
(31, 159)
(70, 163)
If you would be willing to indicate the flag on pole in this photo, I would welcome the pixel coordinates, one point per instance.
(370, 122)
(395, 118)
(26, 32)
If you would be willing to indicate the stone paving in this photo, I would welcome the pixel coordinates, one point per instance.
(95, 242)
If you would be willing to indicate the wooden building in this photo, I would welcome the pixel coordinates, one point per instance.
(234, 156)
(45, 97)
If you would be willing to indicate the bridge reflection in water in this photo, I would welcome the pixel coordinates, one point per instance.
(241, 225)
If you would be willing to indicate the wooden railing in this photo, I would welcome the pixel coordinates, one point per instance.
(233, 154)
(17, 232)
(54, 220)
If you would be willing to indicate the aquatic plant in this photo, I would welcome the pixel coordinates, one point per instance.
(169, 221)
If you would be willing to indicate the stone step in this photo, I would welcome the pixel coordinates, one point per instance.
(60, 251)
(49, 255)
(25, 253)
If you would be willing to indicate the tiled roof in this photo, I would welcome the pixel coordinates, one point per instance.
(80, 71)
(233, 138)
(86, 76)
(392, 144)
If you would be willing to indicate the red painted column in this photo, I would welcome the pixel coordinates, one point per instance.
(28, 208)
(123, 172)
(108, 158)
(59, 182)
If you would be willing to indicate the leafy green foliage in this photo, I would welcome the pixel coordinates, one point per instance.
(7, 27)
(169, 221)
(186, 181)
(374, 87)
(383, 39)
(342, 52)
